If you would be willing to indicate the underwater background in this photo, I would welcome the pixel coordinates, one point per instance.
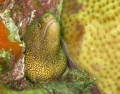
(59, 46)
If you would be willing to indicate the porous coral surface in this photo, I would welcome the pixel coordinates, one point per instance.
(91, 31)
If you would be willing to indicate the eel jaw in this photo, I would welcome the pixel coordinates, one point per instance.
(51, 21)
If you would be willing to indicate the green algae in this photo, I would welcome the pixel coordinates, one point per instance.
(75, 82)
(5, 55)
(59, 8)
(37, 4)
(37, 91)
(4, 61)
(4, 89)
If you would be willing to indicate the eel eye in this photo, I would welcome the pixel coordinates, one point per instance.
(38, 25)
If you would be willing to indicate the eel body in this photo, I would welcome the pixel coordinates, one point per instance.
(44, 57)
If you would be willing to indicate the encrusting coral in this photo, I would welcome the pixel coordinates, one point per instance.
(75, 82)
(91, 31)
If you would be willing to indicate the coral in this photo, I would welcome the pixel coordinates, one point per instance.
(17, 15)
(76, 82)
(91, 29)
(25, 11)
(11, 66)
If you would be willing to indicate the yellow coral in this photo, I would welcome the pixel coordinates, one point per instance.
(91, 31)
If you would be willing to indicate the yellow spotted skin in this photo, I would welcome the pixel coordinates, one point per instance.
(44, 57)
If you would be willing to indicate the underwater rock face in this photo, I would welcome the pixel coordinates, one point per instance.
(91, 32)
(11, 58)
(23, 12)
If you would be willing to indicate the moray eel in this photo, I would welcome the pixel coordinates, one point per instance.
(44, 57)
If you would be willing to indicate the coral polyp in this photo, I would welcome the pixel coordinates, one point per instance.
(91, 31)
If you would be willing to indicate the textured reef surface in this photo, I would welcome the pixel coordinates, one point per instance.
(76, 82)
(91, 31)
(15, 16)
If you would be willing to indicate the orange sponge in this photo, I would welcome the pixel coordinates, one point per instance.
(1, 1)
(7, 45)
